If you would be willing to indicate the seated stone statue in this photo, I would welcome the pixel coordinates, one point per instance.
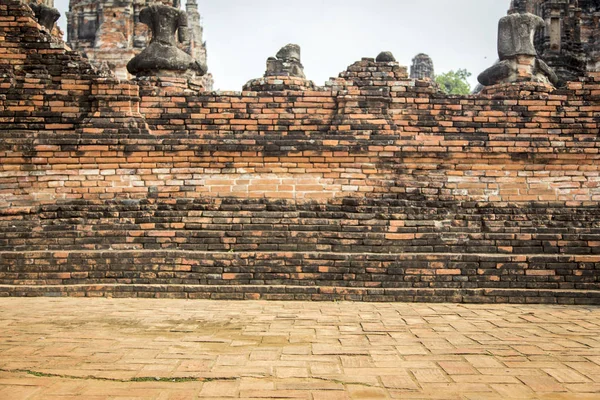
(518, 57)
(46, 16)
(286, 63)
(162, 57)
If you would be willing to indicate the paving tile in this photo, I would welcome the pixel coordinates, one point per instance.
(357, 361)
(566, 375)
(289, 372)
(513, 391)
(220, 389)
(587, 369)
(583, 387)
(277, 394)
(317, 369)
(366, 393)
(400, 382)
(310, 384)
(178, 395)
(484, 379)
(330, 395)
(542, 384)
(265, 350)
(411, 350)
(433, 388)
(18, 392)
(480, 361)
(483, 396)
(457, 367)
(429, 375)
(247, 384)
(511, 371)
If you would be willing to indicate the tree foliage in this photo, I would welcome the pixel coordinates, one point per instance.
(454, 82)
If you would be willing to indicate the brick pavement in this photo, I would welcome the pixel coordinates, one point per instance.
(174, 349)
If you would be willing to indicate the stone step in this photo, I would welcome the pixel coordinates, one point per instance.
(325, 293)
(451, 271)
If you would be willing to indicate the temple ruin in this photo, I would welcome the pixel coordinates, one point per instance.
(373, 187)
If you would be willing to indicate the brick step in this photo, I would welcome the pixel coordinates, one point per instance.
(450, 271)
(325, 293)
(370, 225)
(336, 255)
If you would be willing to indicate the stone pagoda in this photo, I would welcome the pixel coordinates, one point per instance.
(569, 40)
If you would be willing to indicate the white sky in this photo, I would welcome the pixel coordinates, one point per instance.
(242, 34)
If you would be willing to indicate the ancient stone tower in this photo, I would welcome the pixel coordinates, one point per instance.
(197, 46)
(422, 67)
(570, 40)
(109, 31)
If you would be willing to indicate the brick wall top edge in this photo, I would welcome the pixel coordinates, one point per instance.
(365, 64)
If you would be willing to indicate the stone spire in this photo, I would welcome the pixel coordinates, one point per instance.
(197, 47)
(422, 67)
(569, 41)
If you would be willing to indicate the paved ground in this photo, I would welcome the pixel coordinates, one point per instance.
(172, 349)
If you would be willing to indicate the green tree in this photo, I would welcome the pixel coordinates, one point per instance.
(454, 82)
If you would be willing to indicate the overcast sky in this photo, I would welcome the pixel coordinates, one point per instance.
(242, 34)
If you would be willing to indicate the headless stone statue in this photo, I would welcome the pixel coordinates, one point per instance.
(518, 57)
(162, 57)
(286, 63)
(46, 16)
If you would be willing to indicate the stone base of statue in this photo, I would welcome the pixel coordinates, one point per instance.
(278, 84)
(159, 59)
(518, 90)
(521, 68)
(284, 72)
(277, 67)
(286, 63)
(114, 109)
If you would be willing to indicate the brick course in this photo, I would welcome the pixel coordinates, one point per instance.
(374, 182)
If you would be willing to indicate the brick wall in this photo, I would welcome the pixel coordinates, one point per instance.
(374, 187)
